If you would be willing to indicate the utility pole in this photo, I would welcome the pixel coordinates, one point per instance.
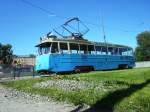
(103, 31)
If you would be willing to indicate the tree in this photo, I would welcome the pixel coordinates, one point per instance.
(142, 51)
(6, 53)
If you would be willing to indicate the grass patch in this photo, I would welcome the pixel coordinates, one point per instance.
(124, 90)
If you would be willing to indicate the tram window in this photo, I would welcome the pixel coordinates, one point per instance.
(40, 51)
(127, 52)
(110, 50)
(43, 50)
(63, 48)
(123, 51)
(104, 50)
(130, 52)
(115, 51)
(46, 50)
(119, 51)
(91, 49)
(54, 48)
(98, 49)
(83, 49)
(74, 48)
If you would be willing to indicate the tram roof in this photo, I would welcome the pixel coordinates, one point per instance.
(78, 41)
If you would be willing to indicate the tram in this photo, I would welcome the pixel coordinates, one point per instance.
(74, 53)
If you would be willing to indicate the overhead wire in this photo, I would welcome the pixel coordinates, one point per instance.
(42, 9)
(87, 22)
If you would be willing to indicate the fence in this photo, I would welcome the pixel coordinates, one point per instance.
(15, 71)
(142, 64)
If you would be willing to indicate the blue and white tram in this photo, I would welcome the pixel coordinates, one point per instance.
(69, 54)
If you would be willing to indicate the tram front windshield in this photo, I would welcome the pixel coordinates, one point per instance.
(44, 48)
(48, 48)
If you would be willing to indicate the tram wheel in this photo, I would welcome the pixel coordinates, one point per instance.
(77, 70)
(123, 66)
(91, 68)
(126, 67)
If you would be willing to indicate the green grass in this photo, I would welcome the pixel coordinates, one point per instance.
(126, 90)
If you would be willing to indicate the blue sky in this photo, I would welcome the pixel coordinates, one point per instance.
(21, 24)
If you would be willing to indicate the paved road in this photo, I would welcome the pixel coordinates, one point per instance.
(14, 101)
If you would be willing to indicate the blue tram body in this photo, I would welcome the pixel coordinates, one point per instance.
(68, 62)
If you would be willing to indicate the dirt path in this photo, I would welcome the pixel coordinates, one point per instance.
(15, 101)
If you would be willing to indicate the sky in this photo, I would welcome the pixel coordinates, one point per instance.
(22, 25)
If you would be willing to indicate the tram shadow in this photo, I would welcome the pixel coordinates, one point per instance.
(107, 103)
(72, 72)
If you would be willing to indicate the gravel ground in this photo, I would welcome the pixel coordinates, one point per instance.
(15, 101)
(71, 85)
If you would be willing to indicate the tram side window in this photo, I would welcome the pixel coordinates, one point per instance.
(83, 49)
(91, 49)
(74, 48)
(130, 52)
(115, 51)
(123, 51)
(104, 50)
(63, 48)
(126, 52)
(54, 48)
(101, 50)
(110, 50)
(98, 49)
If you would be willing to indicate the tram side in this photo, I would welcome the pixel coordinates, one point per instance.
(76, 57)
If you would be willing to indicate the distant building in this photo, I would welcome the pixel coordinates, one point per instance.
(24, 60)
